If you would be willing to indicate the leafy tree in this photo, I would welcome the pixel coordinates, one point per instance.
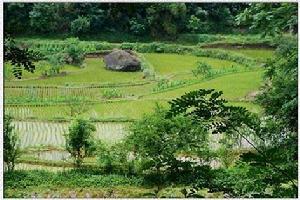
(162, 20)
(208, 109)
(279, 95)
(138, 26)
(275, 148)
(194, 24)
(19, 57)
(198, 20)
(11, 143)
(220, 17)
(79, 140)
(19, 23)
(173, 15)
(270, 18)
(279, 98)
(160, 142)
(98, 18)
(80, 26)
(44, 17)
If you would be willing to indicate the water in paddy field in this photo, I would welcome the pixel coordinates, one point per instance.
(53, 155)
(26, 166)
(34, 134)
(52, 134)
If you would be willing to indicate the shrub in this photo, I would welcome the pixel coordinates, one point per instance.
(159, 142)
(130, 46)
(164, 84)
(111, 93)
(203, 69)
(151, 47)
(71, 178)
(105, 46)
(74, 52)
(11, 146)
(56, 61)
(114, 159)
(79, 140)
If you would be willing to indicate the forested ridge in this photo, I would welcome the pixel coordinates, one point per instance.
(157, 20)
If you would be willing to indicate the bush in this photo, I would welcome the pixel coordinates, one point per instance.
(114, 159)
(11, 146)
(105, 46)
(164, 84)
(55, 61)
(79, 140)
(130, 46)
(74, 52)
(160, 142)
(151, 47)
(71, 178)
(111, 93)
(203, 69)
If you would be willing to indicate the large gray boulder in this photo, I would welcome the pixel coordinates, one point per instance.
(120, 60)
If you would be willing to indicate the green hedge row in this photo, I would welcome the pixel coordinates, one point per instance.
(49, 47)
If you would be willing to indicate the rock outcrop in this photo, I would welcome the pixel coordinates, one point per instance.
(120, 60)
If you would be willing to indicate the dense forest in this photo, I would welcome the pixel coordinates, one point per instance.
(158, 20)
(210, 112)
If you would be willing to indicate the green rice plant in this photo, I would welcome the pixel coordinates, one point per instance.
(164, 84)
(234, 86)
(34, 100)
(112, 93)
(202, 69)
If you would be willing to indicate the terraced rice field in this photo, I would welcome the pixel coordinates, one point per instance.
(52, 134)
(35, 108)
